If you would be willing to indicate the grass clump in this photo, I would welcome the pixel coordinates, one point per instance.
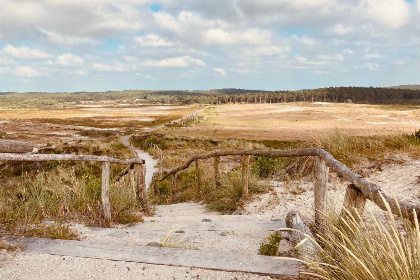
(265, 167)
(350, 149)
(361, 250)
(269, 246)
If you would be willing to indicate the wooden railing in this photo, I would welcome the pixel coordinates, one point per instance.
(356, 194)
(136, 166)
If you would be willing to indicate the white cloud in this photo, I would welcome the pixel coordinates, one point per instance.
(369, 56)
(310, 42)
(181, 61)
(218, 36)
(239, 70)
(67, 39)
(369, 65)
(7, 61)
(28, 72)
(389, 13)
(348, 51)
(70, 60)
(221, 71)
(152, 40)
(303, 60)
(24, 52)
(266, 50)
(116, 67)
(340, 29)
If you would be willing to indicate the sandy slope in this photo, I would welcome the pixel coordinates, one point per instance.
(240, 233)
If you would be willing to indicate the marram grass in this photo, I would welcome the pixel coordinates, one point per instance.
(368, 248)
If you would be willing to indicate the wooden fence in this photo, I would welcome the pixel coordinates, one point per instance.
(136, 166)
(356, 194)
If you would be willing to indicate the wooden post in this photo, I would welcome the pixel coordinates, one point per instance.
(133, 182)
(354, 201)
(217, 171)
(245, 174)
(141, 192)
(197, 174)
(106, 207)
(321, 181)
(173, 183)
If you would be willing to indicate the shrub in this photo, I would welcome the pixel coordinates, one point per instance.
(269, 246)
(264, 167)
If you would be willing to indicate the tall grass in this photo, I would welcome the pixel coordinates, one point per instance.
(376, 250)
(66, 192)
(350, 149)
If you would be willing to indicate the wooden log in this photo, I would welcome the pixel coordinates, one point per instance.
(260, 153)
(245, 175)
(197, 175)
(372, 191)
(320, 188)
(12, 146)
(124, 172)
(65, 157)
(217, 171)
(106, 207)
(354, 201)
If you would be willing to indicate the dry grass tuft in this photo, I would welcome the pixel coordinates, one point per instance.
(368, 250)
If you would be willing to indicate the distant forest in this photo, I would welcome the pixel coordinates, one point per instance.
(369, 95)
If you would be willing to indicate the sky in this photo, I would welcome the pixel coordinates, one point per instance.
(99, 45)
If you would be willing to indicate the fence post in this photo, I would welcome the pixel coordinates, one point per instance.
(141, 192)
(173, 183)
(245, 174)
(106, 207)
(354, 201)
(197, 174)
(133, 182)
(217, 171)
(321, 181)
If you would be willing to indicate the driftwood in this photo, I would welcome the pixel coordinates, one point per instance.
(245, 173)
(11, 146)
(354, 201)
(261, 153)
(124, 172)
(106, 207)
(65, 157)
(321, 181)
(197, 175)
(371, 191)
(217, 171)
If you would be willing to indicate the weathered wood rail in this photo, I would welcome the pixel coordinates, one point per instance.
(356, 194)
(136, 164)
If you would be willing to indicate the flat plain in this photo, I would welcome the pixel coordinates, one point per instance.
(297, 121)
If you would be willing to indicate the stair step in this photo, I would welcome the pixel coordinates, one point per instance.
(262, 265)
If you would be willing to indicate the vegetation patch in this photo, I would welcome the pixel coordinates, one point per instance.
(269, 246)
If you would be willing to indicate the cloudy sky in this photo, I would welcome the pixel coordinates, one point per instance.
(96, 45)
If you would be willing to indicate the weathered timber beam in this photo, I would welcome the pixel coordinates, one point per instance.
(261, 153)
(372, 191)
(124, 172)
(65, 157)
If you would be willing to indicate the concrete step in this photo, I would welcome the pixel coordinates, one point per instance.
(262, 265)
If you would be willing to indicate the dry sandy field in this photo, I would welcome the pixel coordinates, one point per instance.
(78, 122)
(295, 121)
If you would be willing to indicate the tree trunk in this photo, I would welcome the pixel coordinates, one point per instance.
(245, 173)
